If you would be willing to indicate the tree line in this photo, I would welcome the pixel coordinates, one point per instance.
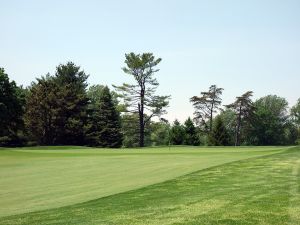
(61, 109)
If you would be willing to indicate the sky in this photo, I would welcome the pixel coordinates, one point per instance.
(237, 45)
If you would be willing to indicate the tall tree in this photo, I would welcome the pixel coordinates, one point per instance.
(140, 98)
(11, 110)
(73, 103)
(244, 109)
(104, 124)
(41, 111)
(206, 105)
(191, 135)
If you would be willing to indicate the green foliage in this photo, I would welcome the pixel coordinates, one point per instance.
(191, 135)
(104, 124)
(73, 101)
(177, 133)
(130, 130)
(160, 133)
(42, 111)
(228, 117)
(12, 99)
(56, 107)
(295, 113)
(219, 135)
(270, 121)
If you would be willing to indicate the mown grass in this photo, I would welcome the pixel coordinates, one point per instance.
(262, 190)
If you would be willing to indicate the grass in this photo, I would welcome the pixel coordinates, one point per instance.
(151, 186)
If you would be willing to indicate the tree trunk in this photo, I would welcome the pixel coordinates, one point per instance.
(141, 118)
(142, 131)
(238, 128)
(211, 118)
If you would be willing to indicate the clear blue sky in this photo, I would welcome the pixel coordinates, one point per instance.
(238, 45)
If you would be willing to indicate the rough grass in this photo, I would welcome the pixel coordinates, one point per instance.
(262, 190)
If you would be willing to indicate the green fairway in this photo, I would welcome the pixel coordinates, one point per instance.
(150, 186)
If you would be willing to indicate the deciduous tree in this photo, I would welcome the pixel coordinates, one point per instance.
(271, 118)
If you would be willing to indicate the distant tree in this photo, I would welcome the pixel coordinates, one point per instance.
(12, 100)
(73, 103)
(94, 92)
(291, 133)
(244, 110)
(177, 133)
(160, 133)
(206, 106)
(42, 109)
(140, 98)
(56, 108)
(219, 135)
(191, 136)
(295, 113)
(130, 130)
(270, 121)
(104, 123)
(228, 117)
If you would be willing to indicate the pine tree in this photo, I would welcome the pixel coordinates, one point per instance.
(11, 111)
(42, 110)
(191, 137)
(140, 97)
(244, 109)
(206, 106)
(72, 102)
(104, 124)
(177, 133)
(219, 135)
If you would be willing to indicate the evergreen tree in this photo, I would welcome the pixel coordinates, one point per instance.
(12, 101)
(104, 124)
(140, 97)
(206, 106)
(191, 135)
(177, 133)
(130, 130)
(72, 103)
(219, 135)
(41, 111)
(244, 110)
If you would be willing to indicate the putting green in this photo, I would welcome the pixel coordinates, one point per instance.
(34, 179)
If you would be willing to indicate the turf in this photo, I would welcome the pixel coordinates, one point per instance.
(263, 188)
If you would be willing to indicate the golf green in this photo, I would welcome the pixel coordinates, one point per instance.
(120, 186)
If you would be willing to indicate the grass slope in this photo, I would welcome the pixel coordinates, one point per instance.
(266, 188)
